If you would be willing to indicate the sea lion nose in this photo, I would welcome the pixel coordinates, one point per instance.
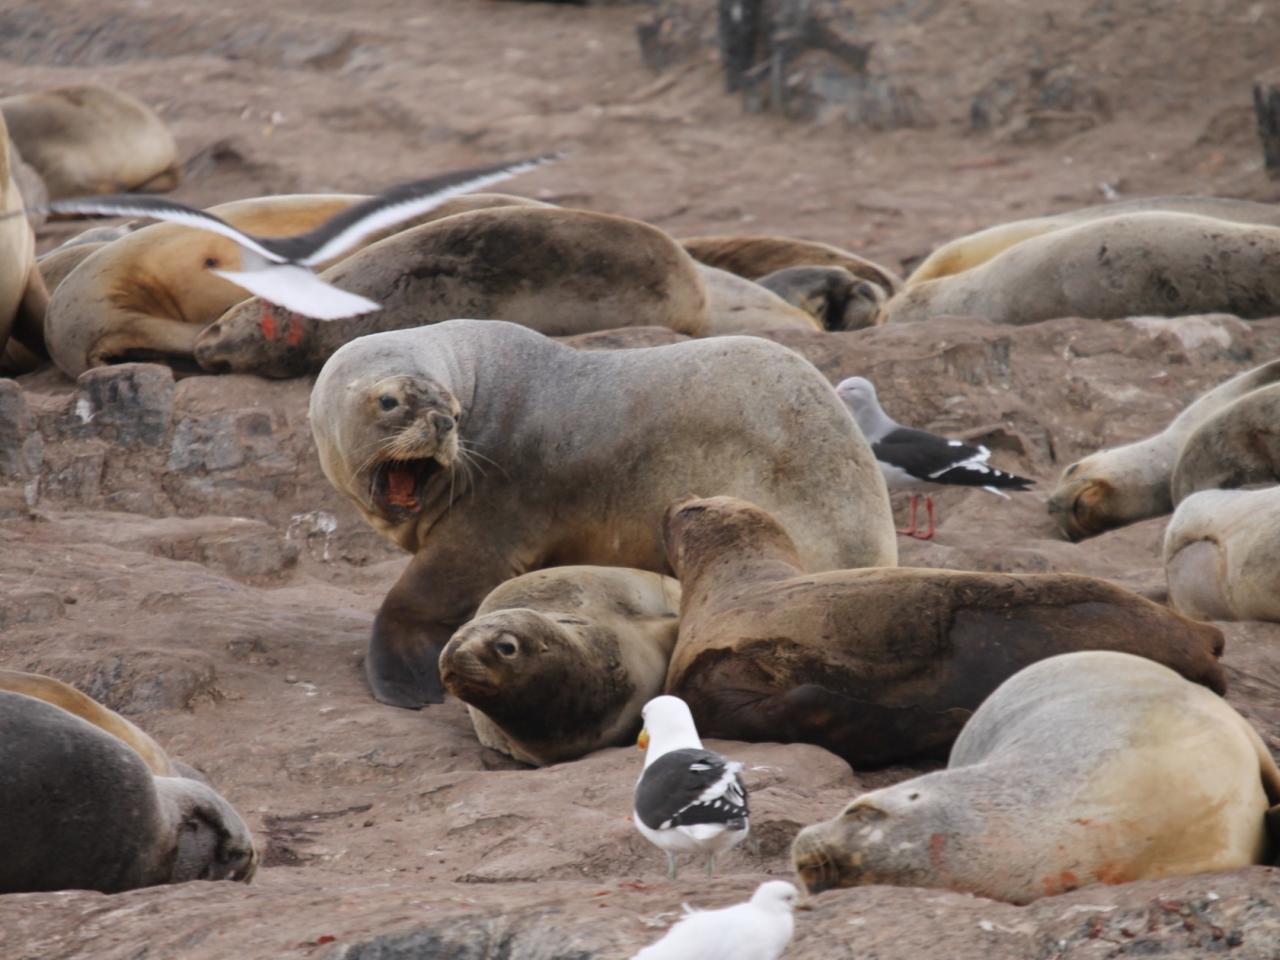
(444, 424)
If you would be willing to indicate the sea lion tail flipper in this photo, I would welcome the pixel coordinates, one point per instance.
(402, 663)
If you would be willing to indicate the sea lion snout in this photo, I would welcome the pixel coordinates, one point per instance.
(1079, 506)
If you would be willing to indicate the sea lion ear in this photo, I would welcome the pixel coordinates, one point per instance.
(1272, 822)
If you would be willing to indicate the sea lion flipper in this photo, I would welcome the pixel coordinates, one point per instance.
(402, 663)
(1273, 835)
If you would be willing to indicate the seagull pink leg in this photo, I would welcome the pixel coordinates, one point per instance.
(910, 531)
(928, 534)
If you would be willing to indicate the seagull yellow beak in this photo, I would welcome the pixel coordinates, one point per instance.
(642, 741)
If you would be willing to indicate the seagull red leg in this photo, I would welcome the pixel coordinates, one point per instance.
(928, 507)
(910, 530)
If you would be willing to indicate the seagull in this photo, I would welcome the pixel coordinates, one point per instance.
(913, 459)
(687, 799)
(278, 269)
(759, 929)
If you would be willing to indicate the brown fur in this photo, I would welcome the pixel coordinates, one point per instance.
(878, 665)
(23, 298)
(557, 271)
(754, 256)
(559, 662)
(831, 295)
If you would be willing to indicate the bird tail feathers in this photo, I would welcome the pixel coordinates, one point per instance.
(298, 289)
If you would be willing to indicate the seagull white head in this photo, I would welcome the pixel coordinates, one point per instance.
(859, 395)
(775, 895)
(668, 725)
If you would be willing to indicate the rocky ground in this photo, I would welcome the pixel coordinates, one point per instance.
(171, 547)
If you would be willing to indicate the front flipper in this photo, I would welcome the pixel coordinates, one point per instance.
(403, 659)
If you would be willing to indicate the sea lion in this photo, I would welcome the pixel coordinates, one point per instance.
(86, 708)
(82, 811)
(88, 139)
(1236, 447)
(878, 665)
(554, 270)
(558, 662)
(1159, 264)
(148, 295)
(489, 450)
(23, 295)
(35, 197)
(1112, 488)
(738, 305)
(1092, 767)
(1222, 555)
(755, 256)
(970, 251)
(831, 295)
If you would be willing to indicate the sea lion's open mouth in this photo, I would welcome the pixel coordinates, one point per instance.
(397, 485)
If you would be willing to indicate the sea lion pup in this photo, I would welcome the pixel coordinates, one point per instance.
(1222, 555)
(88, 139)
(738, 305)
(878, 665)
(974, 249)
(559, 662)
(23, 295)
(554, 270)
(1236, 447)
(754, 256)
(489, 450)
(1112, 488)
(86, 708)
(831, 295)
(1159, 264)
(1092, 767)
(82, 811)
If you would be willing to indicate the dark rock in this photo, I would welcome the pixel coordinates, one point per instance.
(130, 404)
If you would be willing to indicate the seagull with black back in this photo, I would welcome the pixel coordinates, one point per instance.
(278, 269)
(688, 799)
(913, 459)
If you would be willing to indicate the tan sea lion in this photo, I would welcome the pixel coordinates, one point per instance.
(738, 305)
(970, 251)
(1112, 488)
(23, 296)
(1092, 767)
(884, 664)
(557, 271)
(558, 662)
(489, 450)
(1236, 447)
(35, 197)
(1222, 555)
(89, 139)
(831, 295)
(86, 708)
(756, 256)
(148, 295)
(82, 811)
(1159, 264)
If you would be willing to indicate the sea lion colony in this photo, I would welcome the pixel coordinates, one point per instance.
(788, 617)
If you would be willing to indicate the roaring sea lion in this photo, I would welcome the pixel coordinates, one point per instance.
(559, 662)
(970, 251)
(557, 271)
(1139, 264)
(86, 708)
(831, 295)
(1222, 555)
(148, 295)
(489, 450)
(738, 305)
(82, 811)
(1236, 447)
(1112, 488)
(88, 139)
(1095, 767)
(878, 665)
(23, 295)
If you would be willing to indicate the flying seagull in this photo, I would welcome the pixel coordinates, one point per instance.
(688, 800)
(759, 929)
(278, 269)
(914, 460)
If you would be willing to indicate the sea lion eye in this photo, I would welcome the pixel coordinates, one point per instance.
(388, 402)
(505, 647)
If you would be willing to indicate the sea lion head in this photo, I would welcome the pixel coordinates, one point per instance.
(409, 439)
(697, 531)
(210, 841)
(831, 294)
(498, 654)
(255, 336)
(1083, 505)
(898, 835)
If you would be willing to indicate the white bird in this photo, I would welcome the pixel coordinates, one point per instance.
(913, 459)
(759, 929)
(688, 800)
(277, 269)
